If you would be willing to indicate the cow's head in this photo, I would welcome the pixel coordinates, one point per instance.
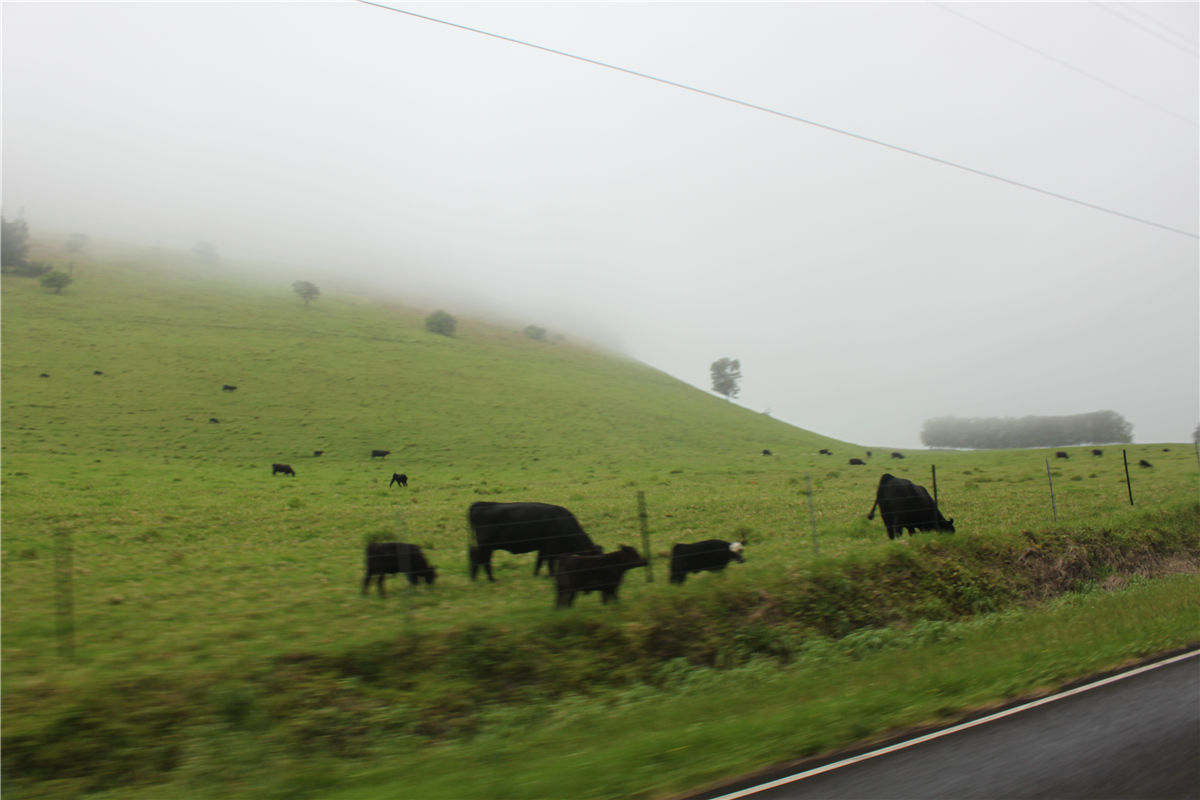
(946, 525)
(736, 549)
(630, 557)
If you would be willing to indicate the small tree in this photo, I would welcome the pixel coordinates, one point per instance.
(535, 332)
(14, 242)
(307, 291)
(726, 373)
(56, 280)
(441, 322)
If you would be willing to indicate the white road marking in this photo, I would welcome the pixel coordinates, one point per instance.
(799, 776)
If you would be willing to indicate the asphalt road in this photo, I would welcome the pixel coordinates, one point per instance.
(1131, 738)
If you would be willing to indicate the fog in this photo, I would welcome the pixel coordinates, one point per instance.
(863, 288)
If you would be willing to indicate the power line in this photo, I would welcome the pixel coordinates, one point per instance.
(1189, 50)
(1188, 42)
(1066, 64)
(785, 115)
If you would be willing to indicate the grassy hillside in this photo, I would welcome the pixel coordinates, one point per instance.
(203, 585)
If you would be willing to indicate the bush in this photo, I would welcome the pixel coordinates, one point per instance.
(56, 280)
(440, 322)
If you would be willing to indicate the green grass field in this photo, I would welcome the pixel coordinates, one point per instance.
(198, 578)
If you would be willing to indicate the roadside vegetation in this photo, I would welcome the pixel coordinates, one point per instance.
(216, 640)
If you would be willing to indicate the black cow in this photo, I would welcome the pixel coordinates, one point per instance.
(897, 455)
(590, 573)
(904, 504)
(1061, 454)
(379, 453)
(398, 477)
(825, 452)
(857, 462)
(709, 555)
(214, 421)
(45, 375)
(228, 388)
(390, 558)
(766, 452)
(1144, 463)
(97, 372)
(284, 468)
(317, 453)
(1097, 452)
(551, 530)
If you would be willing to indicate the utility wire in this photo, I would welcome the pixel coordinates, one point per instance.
(1063, 63)
(1189, 50)
(792, 117)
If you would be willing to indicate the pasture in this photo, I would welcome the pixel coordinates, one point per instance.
(197, 572)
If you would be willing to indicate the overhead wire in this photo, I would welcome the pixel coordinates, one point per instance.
(1065, 64)
(1189, 49)
(788, 116)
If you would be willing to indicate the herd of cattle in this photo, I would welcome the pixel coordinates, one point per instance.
(578, 564)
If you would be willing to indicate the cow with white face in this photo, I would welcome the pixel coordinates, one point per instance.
(710, 555)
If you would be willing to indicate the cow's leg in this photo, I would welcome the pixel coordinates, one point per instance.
(382, 593)
(565, 598)
(366, 582)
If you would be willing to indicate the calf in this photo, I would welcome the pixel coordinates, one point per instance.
(284, 468)
(398, 477)
(379, 453)
(602, 573)
(710, 555)
(1144, 463)
(825, 452)
(766, 452)
(390, 558)
(214, 421)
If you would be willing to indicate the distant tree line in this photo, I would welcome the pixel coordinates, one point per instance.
(988, 433)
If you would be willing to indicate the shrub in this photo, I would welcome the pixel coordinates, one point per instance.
(440, 322)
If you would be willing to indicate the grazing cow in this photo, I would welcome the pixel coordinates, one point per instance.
(97, 372)
(709, 555)
(284, 468)
(552, 531)
(228, 388)
(766, 452)
(317, 453)
(825, 452)
(390, 558)
(379, 453)
(1097, 452)
(897, 455)
(398, 477)
(857, 462)
(868, 454)
(904, 504)
(1061, 454)
(602, 573)
(214, 420)
(1144, 463)
(44, 375)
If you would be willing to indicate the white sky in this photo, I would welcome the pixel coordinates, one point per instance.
(864, 290)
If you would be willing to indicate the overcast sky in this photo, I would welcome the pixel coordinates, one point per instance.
(863, 288)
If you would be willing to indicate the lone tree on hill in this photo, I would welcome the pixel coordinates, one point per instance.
(726, 373)
(14, 242)
(307, 291)
(441, 322)
(56, 280)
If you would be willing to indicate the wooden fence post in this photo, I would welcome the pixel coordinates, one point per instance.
(1128, 484)
(642, 521)
(1049, 477)
(812, 515)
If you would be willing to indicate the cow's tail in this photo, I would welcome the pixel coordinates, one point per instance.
(871, 513)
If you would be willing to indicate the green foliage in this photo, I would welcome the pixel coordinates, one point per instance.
(1097, 427)
(306, 291)
(725, 376)
(441, 322)
(56, 280)
(14, 242)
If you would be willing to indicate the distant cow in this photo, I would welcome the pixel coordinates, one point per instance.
(390, 558)
(903, 504)
(398, 477)
(44, 375)
(897, 455)
(825, 452)
(857, 462)
(1097, 452)
(379, 453)
(284, 468)
(228, 388)
(1061, 454)
(317, 453)
(602, 573)
(97, 372)
(710, 555)
(766, 452)
(1144, 463)
(550, 530)
(214, 420)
